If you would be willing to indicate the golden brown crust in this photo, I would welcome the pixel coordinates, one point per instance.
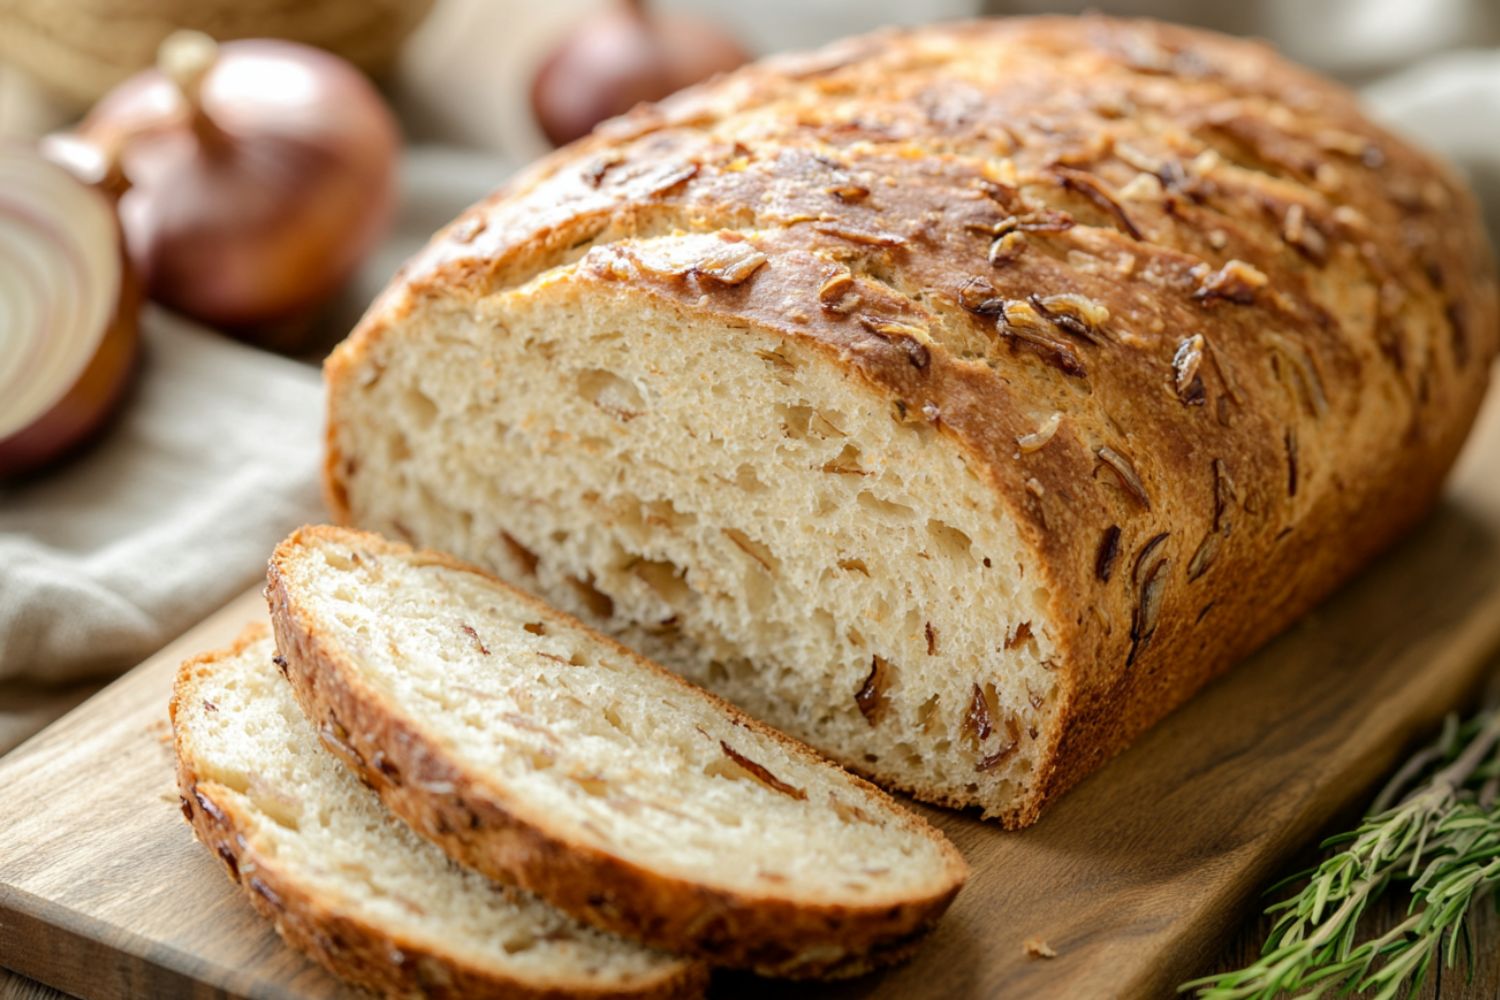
(469, 817)
(355, 950)
(1301, 309)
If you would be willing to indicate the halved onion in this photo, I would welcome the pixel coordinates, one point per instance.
(68, 310)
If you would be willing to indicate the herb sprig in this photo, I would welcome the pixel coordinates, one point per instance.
(1434, 831)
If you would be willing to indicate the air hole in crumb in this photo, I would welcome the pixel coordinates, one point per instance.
(794, 420)
(611, 393)
(827, 426)
(746, 479)
(888, 509)
(950, 541)
(871, 696)
(929, 718)
(598, 603)
(782, 367)
(846, 462)
(909, 754)
(419, 407)
(400, 448)
(535, 628)
(1020, 635)
(758, 590)
(664, 514)
(754, 549)
(523, 557)
(665, 578)
(628, 516)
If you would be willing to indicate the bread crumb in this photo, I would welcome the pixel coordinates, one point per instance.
(1035, 947)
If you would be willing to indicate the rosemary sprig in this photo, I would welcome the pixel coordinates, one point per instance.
(1434, 831)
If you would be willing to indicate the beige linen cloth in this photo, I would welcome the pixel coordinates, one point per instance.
(215, 457)
(107, 558)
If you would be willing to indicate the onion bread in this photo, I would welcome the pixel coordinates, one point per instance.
(959, 400)
(350, 885)
(541, 753)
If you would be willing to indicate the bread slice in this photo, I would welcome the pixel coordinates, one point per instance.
(352, 887)
(539, 752)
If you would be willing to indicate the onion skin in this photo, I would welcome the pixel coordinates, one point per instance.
(620, 58)
(84, 407)
(251, 208)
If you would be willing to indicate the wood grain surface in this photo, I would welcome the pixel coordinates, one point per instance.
(1138, 879)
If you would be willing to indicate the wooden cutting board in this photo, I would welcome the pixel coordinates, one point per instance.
(1134, 879)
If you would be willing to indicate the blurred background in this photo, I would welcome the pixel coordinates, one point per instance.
(460, 73)
(459, 70)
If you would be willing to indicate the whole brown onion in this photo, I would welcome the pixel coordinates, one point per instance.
(261, 173)
(621, 57)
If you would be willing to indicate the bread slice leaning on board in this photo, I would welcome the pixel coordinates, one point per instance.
(543, 754)
(347, 883)
(959, 400)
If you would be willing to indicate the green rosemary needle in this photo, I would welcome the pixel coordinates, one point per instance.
(1434, 832)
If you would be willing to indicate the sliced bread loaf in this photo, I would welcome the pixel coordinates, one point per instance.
(1012, 377)
(539, 752)
(352, 887)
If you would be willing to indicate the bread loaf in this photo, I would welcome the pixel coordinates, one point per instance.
(959, 399)
(545, 755)
(347, 884)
